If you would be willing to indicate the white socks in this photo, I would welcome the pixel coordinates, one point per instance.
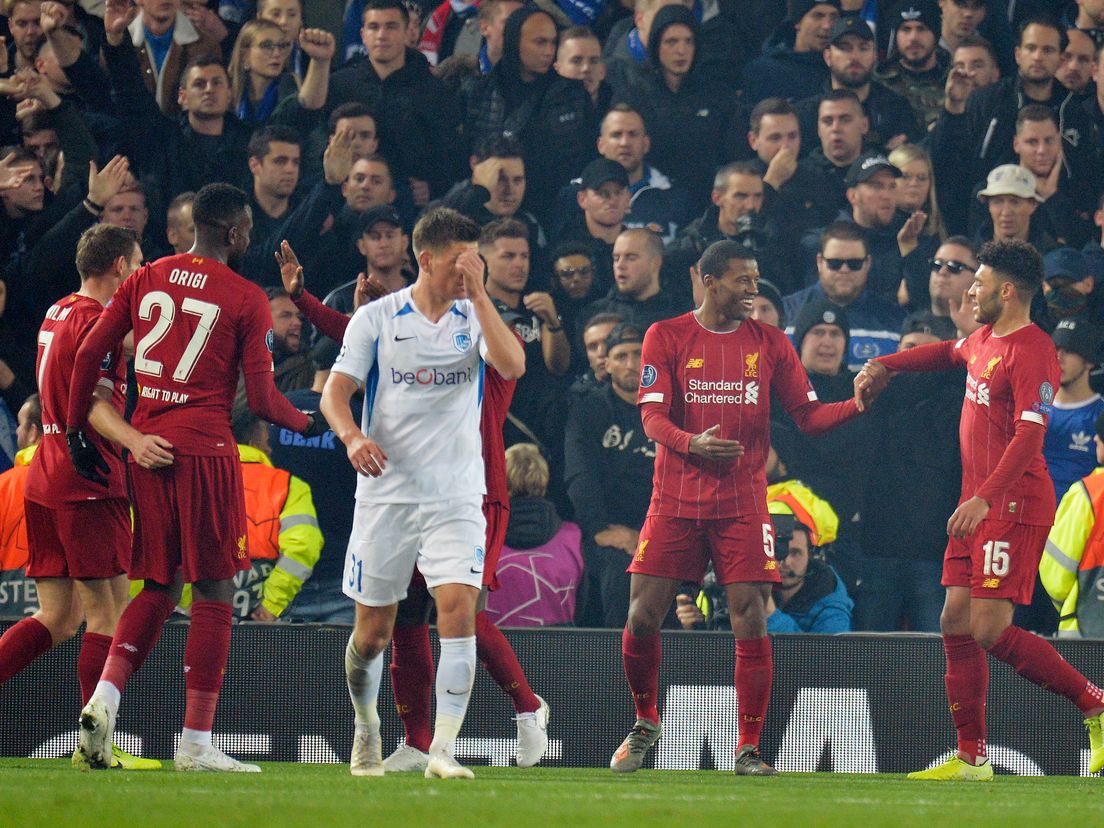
(455, 675)
(196, 738)
(363, 676)
(109, 694)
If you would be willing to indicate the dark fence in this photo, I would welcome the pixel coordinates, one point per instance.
(857, 704)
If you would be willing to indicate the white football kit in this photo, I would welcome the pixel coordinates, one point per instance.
(423, 390)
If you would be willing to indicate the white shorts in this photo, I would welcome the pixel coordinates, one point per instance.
(444, 539)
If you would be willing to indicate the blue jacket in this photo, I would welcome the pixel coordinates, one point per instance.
(875, 323)
(828, 612)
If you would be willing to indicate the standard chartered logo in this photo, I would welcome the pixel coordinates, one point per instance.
(722, 392)
(431, 376)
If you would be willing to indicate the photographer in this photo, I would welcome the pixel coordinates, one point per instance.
(811, 598)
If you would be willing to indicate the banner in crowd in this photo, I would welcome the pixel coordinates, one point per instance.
(851, 704)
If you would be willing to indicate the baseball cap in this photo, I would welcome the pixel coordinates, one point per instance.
(868, 165)
(1064, 263)
(923, 11)
(1010, 179)
(1079, 336)
(851, 26)
(624, 332)
(800, 8)
(381, 212)
(601, 170)
(928, 323)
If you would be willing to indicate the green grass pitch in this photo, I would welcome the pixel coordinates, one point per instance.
(51, 793)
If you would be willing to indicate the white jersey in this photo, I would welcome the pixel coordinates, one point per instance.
(423, 389)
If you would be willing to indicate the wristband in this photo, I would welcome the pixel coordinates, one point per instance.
(93, 207)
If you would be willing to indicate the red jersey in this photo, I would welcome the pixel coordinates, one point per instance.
(693, 379)
(51, 478)
(197, 326)
(1010, 383)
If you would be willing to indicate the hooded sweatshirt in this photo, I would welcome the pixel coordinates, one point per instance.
(783, 73)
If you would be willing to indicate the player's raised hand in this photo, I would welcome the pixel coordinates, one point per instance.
(318, 44)
(473, 270)
(711, 447)
(86, 458)
(151, 452)
(688, 613)
(962, 313)
(291, 272)
(966, 517)
(105, 184)
(368, 289)
(366, 456)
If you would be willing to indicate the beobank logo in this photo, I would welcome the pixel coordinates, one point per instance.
(431, 376)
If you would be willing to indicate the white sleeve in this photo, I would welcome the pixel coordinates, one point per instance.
(358, 349)
(477, 332)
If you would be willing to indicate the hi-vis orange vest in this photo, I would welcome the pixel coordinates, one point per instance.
(1090, 572)
(13, 527)
(266, 490)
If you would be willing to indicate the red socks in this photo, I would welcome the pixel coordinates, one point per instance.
(641, 656)
(967, 681)
(1038, 662)
(500, 660)
(412, 682)
(90, 662)
(138, 630)
(22, 644)
(205, 657)
(754, 674)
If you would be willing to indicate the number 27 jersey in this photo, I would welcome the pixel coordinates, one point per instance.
(196, 324)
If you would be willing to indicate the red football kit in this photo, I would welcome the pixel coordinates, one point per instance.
(61, 504)
(1010, 385)
(692, 379)
(197, 326)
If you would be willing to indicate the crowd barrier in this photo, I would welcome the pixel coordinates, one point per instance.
(854, 703)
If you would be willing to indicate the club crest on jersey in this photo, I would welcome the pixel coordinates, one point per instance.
(988, 372)
(648, 376)
(270, 341)
(480, 554)
(462, 342)
(751, 365)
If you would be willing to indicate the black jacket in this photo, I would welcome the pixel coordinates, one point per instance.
(781, 72)
(889, 114)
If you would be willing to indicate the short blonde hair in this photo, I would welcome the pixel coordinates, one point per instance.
(906, 154)
(526, 471)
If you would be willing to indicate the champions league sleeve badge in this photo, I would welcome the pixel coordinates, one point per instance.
(648, 376)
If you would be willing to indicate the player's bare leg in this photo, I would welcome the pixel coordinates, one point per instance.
(499, 659)
(205, 656)
(650, 598)
(363, 672)
(747, 610)
(412, 675)
(456, 605)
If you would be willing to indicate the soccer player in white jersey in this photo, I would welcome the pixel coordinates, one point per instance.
(419, 355)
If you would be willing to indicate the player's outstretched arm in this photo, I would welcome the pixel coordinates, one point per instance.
(504, 351)
(364, 454)
(330, 322)
(148, 450)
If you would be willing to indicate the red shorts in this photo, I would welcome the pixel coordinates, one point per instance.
(742, 549)
(498, 519)
(999, 560)
(189, 516)
(87, 540)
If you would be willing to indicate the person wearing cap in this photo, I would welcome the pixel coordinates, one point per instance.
(917, 65)
(736, 213)
(1068, 287)
(843, 265)
(1072, 566)
(1068, 447)
(911, 489)
(821, 335)
(850, 56)
(811, 597)
(688, 111)
(603, 201)
(791, 66)
(605, 442)
(896, 243)
(1011, 198)
(383, 250)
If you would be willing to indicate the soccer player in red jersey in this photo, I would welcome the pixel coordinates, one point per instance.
(197, 326)
(74, 574)
(411, 665)
(998, 531)
(705, 390)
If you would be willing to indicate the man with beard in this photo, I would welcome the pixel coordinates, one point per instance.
(851, 55)
(916, 66)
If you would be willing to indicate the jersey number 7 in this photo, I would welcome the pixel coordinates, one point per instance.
(165, 307)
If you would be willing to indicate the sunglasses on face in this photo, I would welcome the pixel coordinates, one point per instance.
(852, 264)
(951, 265)
(569, 273)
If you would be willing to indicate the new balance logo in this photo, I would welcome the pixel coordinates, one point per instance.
(991, 583)
(695, 362)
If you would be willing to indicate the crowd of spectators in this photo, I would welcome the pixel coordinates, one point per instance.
(863, 149)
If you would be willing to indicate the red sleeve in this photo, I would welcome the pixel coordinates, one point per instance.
(109, 329)
(816, 417)
(330, 322)
(658, 426)
(1026, 444)
(790, 384)
(270, 405)
(938, 356)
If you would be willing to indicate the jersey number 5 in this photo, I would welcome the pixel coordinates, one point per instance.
(768, 540)
(165, 308)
